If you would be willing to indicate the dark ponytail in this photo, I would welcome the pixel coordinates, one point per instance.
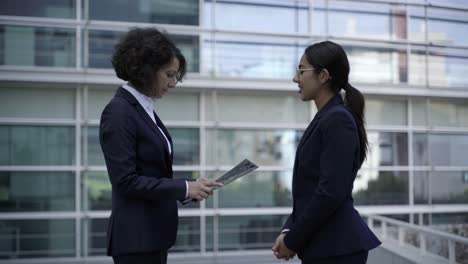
(355, 102)
(332, 57)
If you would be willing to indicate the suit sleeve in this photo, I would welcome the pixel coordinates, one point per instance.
(117, 135)
(339, 146)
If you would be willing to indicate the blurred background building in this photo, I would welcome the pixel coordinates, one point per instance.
(409, 58)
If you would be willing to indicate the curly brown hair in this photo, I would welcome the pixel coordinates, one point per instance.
(141, 53)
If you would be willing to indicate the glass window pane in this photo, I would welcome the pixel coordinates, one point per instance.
(37, 238)
(416, 24)
(262, 16)
(449, 187)
(417, 67)
(37, 145)
(387, 149)
(386, 112)
(263, 147)
(445, 26)
(448, 150)
(186, 146)
(421, 187)
(177, 106)
(262, 108)
(101, 47)
(36, 102)
(259, 189)
(98, 99)
(448, 67)
(30, 46)
(373, 187)
(51, 191)
(39, 8)
(419, 112)
(392, 65)
(449, 113)
(184, 12)
(351, 20)
(420, 151)
(247, 232)
(251, 57)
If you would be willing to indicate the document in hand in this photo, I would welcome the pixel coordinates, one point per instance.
(243, 168)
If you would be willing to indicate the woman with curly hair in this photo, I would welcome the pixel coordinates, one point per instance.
(138, 151)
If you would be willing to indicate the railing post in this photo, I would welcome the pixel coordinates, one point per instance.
(401, 236)
(422, 237)
(370, 222)
(384, 229)
(451, 251)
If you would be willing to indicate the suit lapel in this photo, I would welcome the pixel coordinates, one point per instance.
(165, 131)
(144, 115)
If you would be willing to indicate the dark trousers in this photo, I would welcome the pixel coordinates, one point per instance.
(159, 257)
(354, 258)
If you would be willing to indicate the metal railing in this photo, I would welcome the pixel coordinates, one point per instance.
(418, 237)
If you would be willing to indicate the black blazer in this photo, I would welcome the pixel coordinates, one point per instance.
(144, 195)
(324, 222)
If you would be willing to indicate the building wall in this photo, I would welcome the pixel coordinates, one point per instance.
(238, 101)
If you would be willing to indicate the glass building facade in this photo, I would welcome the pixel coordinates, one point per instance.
(409, 58)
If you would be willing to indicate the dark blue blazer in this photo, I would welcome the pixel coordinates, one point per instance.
(144, 195)
(324, 222)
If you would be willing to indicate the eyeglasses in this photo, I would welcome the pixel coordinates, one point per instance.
(173, 76)
(300, 70)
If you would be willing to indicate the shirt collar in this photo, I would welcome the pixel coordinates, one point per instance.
(145, 101)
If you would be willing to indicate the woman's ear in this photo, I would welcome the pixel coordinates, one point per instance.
(324, 76)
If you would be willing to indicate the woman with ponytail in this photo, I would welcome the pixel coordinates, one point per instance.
(324, 227)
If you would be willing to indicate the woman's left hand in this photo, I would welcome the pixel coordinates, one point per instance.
(280, 249)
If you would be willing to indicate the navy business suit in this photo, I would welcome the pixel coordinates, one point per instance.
(324, 222)
(144, 195)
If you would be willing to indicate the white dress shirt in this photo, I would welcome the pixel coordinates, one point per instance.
(147, 103)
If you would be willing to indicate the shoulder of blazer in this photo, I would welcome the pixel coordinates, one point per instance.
(338, 111)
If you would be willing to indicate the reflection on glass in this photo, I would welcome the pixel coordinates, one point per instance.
(98, 190)
(420, 151)
(364, 61)
(449, 113)
(417, 68)
(449, 187)
(445, 25)
(43, 8)
(258, 189)
(386, 112)
(373, 187)
(262, 108)
(421, 187)
(21, 101)
(101, 47)
(251, 57)
(29, 46)
(98, 98)
(448, 150)
(387, 149)
(36, 145)
(183, 12)
(178, 107)
(262, 16)
(37, 238)
(51, 191)
(419, 112)
(248, 232)
(448, 68)
(263, 147)
(188, 235)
